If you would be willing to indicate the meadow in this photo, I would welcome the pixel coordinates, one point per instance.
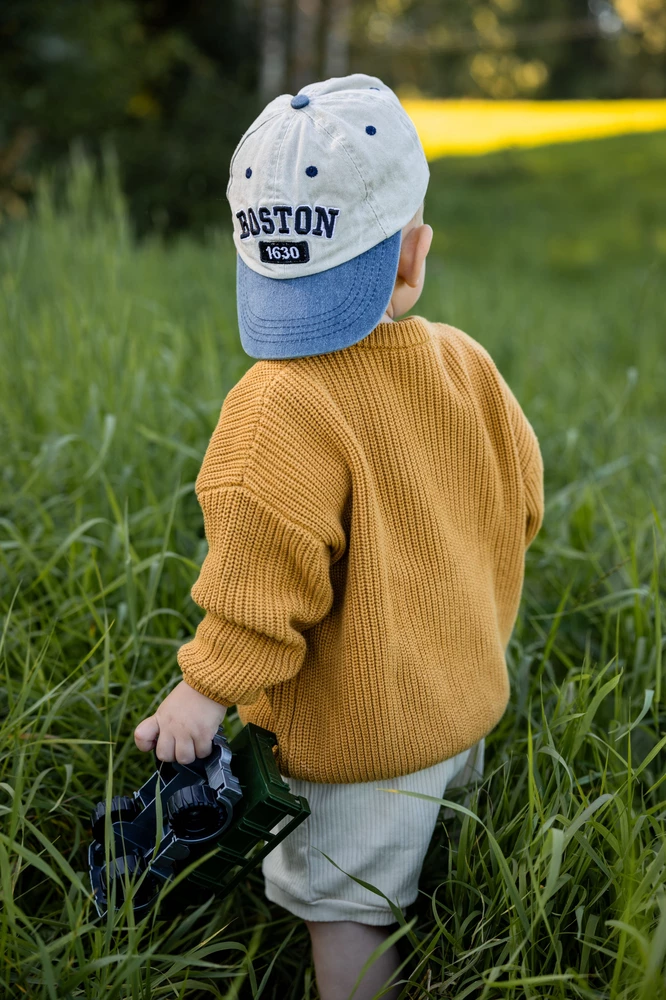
(549, 879)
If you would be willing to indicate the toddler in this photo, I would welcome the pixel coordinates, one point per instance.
(368, 495)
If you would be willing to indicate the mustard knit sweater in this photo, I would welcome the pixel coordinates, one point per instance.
(367, 513)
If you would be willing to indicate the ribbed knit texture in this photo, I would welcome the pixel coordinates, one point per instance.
(367, 513)
(375, 836)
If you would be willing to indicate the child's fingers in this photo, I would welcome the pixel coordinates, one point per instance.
(203, 745)
(146, 733)
(166, 745)
(185, 750)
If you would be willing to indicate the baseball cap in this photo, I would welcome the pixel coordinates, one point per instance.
(320, 187)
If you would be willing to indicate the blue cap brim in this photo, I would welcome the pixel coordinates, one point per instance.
(318, 313)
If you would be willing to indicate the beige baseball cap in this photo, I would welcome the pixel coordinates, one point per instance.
(320, 187)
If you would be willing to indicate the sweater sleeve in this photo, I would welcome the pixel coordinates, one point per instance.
(531, 465)
(263, 582)
(271, 487)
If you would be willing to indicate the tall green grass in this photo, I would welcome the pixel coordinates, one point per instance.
(549, 880)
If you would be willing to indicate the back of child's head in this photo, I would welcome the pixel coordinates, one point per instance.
(321, 187)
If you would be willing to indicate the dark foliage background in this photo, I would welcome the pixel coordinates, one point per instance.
(173, 85)
(170, 84)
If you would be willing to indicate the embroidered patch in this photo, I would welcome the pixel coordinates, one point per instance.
(284, 253)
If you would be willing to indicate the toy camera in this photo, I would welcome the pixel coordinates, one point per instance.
(227, 803)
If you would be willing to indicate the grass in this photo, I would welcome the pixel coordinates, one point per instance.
(551, 879)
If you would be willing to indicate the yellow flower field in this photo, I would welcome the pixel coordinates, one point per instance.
(468, 127)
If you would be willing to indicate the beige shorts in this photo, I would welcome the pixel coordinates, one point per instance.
(376, 836)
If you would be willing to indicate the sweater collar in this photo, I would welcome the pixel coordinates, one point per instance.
(399, 333)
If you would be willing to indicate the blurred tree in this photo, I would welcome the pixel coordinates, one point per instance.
(306, 57)
(647, 18)
(336, 54)
(273, 48)
(640, 55)
(302, 41)
(515, 48)
(173, 85)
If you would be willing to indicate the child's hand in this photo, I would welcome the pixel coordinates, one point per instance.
(183, 726)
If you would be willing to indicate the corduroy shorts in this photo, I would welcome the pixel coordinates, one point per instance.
(376, 836)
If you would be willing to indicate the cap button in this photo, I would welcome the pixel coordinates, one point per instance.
(300, 101)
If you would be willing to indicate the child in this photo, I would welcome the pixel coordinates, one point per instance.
(368, 496)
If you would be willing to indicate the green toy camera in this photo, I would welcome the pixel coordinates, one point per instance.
(228, 803)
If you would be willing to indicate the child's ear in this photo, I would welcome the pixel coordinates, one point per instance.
(413, 252)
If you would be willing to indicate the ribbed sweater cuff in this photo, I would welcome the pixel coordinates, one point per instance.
(203, 688)
(232, 664)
